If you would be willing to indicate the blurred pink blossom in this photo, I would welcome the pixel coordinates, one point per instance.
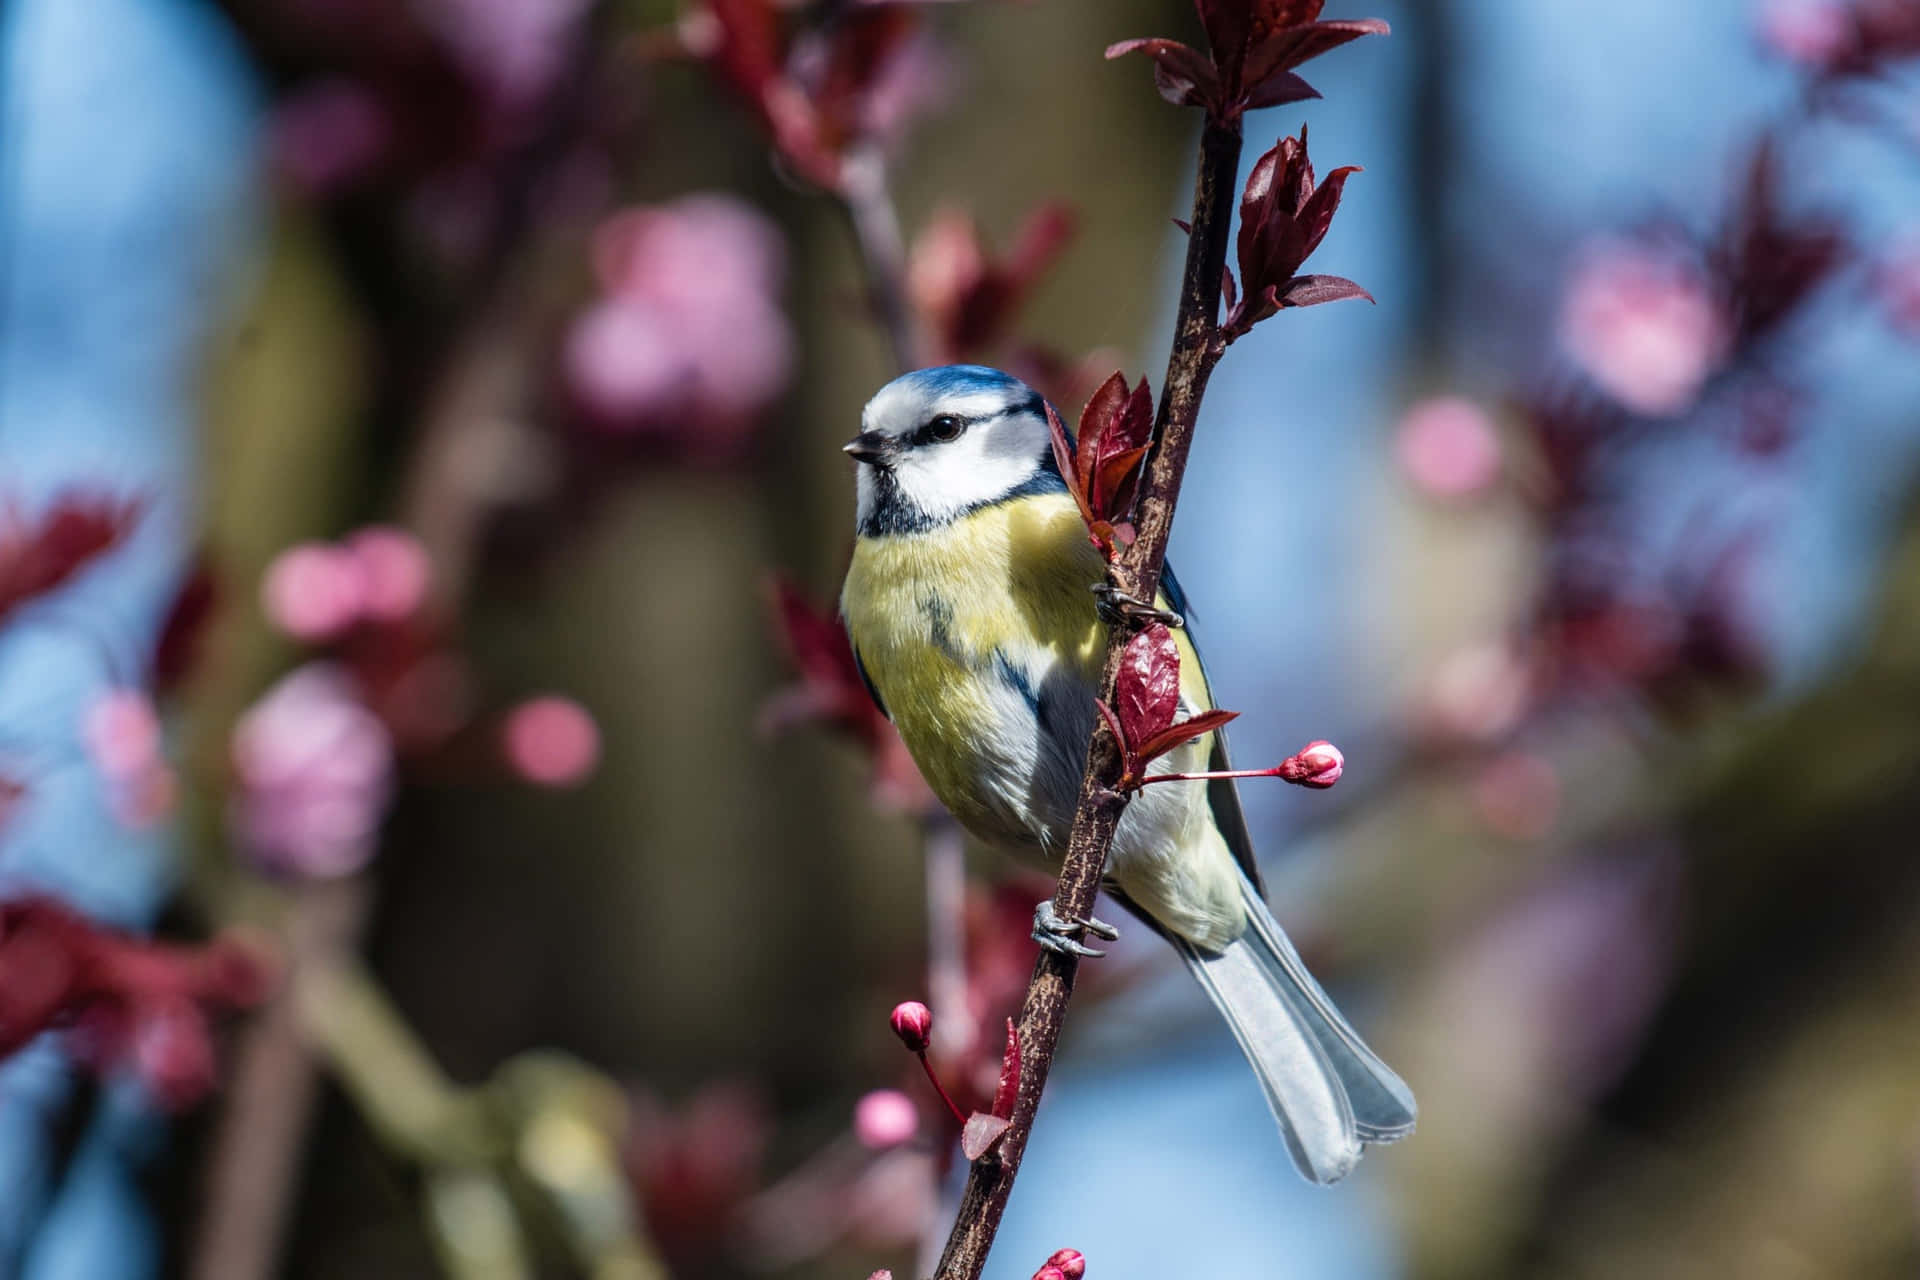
(1518, 795)
(689, 335)
(514, 49)
(314, 591)
(1448, 447)
(325, 137)
(1478, 693)
(394, 572)
(122, 737)
(1644, 324)
(885, 1118)
(314, 769)
(1899, 287)
(1814, 33)
(552, 741)
(122, 733)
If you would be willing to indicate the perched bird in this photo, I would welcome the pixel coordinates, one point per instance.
(971, 608)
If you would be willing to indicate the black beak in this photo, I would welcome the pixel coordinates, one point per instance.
(872, 446)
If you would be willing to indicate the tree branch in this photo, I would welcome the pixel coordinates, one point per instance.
(1135, 571)
(864, 194)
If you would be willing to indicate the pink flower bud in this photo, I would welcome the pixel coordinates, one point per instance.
(313, 591)
(122, 734)
(394, 571)
(551, 741)
(1050, 1272)
(1319, 765)
(885, 1118)
(1448, 447)
(913, 1023)
(881, 1275)
(1071, 1263)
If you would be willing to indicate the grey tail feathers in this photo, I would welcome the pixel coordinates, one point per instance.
(1329, 1092)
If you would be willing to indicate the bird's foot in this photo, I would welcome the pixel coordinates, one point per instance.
(1116, 607)
(1057, 933)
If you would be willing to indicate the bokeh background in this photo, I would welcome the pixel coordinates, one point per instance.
(420, 513)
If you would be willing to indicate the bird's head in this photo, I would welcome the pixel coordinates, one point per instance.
(936, 444)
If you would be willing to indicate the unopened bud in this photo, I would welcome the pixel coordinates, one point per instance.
(1049, 1272)
(1318, 764)
(1069, 1263)
(913, 1023)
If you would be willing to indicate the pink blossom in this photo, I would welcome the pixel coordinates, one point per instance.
(1814, 33)
(325, 137)
(122, 733)
(122, 737)
(1899, 287)
(515, 49)
(1478, 693)
(689, 335)
(1644, 324)
(885, 1118)
(1518, 795)
(314, 769)
(551, 741)
(314, 591)
(1448, 447)
(394, 572)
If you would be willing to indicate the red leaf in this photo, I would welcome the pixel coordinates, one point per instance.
(1287, 47)
(1102, 408)
(1064, 459)
(1183, 75)
(1113, 483)
(1147, 691)
(1228, 24)
(1279, 89)
(1113, 725)
(1316, 215)
(1311, 291)
(1272, 14)
(179, 645)
(1009, 1090)
(981, 1134)
(1184, 732)
(37, 556)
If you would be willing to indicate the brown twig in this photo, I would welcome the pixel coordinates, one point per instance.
(868, 201)
(1136, 571)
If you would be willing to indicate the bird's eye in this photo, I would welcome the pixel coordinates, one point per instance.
(944, 428)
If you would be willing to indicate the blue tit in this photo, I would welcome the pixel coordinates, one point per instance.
(970, 610)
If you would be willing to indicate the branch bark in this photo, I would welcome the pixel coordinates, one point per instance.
(868, 201)
(1136, 571)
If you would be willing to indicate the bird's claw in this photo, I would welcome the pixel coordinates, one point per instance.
(1116, 607)
(1058, 933)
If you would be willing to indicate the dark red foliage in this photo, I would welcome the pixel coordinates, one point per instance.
(130, 1000)
(1283, 218)
(814, 108)
(1102, 464)
(966, 297)
(693, 1170)
(831, 690)
(984, 1129)
(1771, 263)
(1147, 698)
(40, 554)
(1254, 46)
(178, 649)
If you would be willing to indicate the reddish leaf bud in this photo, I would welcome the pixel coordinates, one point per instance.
(1318, 764)
(1071, 1263)
(913, 1023)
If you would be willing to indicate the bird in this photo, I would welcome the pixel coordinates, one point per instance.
(971, 606)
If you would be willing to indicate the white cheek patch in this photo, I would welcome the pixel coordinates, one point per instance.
(989, 461)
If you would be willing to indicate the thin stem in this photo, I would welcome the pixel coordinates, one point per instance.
(868, 200)
(926, 1065)
(1212, 776)
(1136, 571)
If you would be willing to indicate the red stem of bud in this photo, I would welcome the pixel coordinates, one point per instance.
(1210, 776)
(941, 1089)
